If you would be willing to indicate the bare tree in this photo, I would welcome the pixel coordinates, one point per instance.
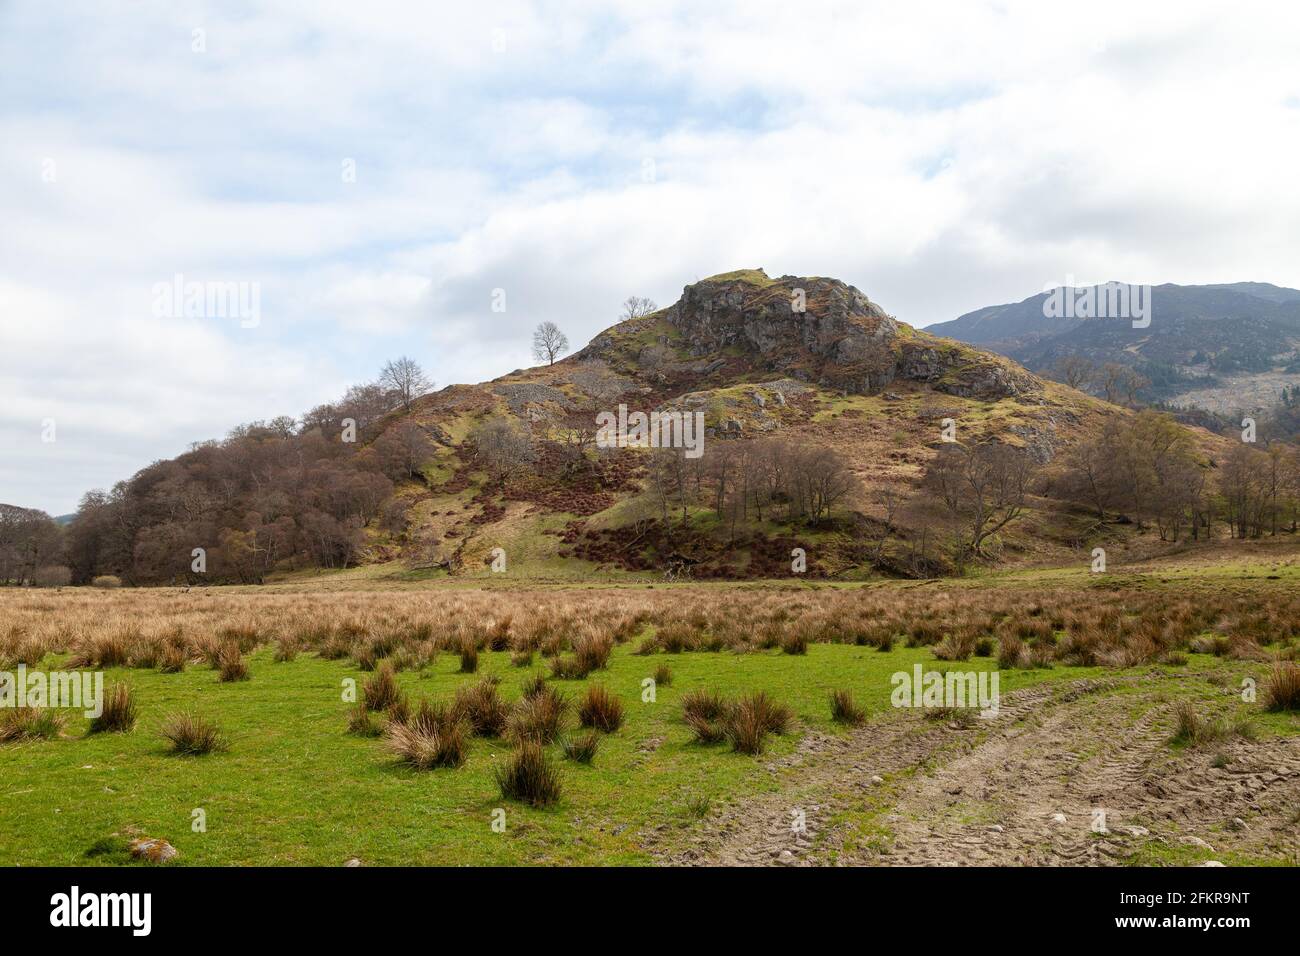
(549, 343)
(985, 486)
(503, 446)
(1076, 370)
(406, 380)
(635, 306)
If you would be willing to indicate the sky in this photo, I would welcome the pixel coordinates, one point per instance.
(378, 176)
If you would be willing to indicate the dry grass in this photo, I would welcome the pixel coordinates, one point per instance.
(380, 691)
(844, 710)
(1282, 691)
(30, 723)
(600, 709)
(118, 715)
(528, 776)
(580, 748)
(192, 736)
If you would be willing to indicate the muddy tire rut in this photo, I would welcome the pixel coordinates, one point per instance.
(1069, 773)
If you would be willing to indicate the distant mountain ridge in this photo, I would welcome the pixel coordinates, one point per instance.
(1202, 340)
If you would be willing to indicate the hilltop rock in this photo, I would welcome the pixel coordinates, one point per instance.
(840, 340)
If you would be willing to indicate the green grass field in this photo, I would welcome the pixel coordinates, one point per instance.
(294, 788)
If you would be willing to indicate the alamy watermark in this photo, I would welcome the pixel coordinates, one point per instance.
(946, 689)
(76, 690)
(654, 430)
(1111, 300)
(179, 299)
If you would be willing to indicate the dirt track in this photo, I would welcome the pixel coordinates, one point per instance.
(1018, 789)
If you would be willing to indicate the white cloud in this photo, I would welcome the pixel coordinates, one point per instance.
(941, 156)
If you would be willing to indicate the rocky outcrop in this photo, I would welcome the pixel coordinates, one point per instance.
(827, 332)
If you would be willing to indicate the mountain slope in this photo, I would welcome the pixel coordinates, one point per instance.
(1223, 347)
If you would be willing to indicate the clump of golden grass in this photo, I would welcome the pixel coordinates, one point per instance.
(844, 710)
(538, 717)
(231, 664)
(1194, 730)
(794, 643)
(528, 776)
(482, 707)
(600, 709)
(362, 723)
(192, 736)
(468, 658)
(432, 738)
(171, 659)
(380, 691)
(118, 714)
(30, 723)
(955, 647)
(580, 748)
(286, 649)
(1282, 692)
(663, 675)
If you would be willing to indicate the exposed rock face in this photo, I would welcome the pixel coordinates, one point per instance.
(840, 340)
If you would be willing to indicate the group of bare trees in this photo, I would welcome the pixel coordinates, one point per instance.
(30, 546)
(1115, 382)
(761, 479)
(300, 492)
(1147, 468)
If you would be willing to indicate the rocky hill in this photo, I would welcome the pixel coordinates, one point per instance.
(822, 419)
(840, 373)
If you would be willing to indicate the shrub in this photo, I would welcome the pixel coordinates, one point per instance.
(844, 710)
(539, 717)
(106, 581)
(1282, 692)
(600, 709)
(30, 723)
(663, 675)
(192, 736)
(380, 691)
(580, 748)
(118, 715)
(482, 707)
(529, 777)
(231, 664)
(424, 747)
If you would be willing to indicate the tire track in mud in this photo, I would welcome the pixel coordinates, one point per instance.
(829, 773)
(1022, 788)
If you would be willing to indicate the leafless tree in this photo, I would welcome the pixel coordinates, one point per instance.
(549, 343)
(502, 446)
(1076, 370)
(406, 380)
(983, 486)
(635, 306)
